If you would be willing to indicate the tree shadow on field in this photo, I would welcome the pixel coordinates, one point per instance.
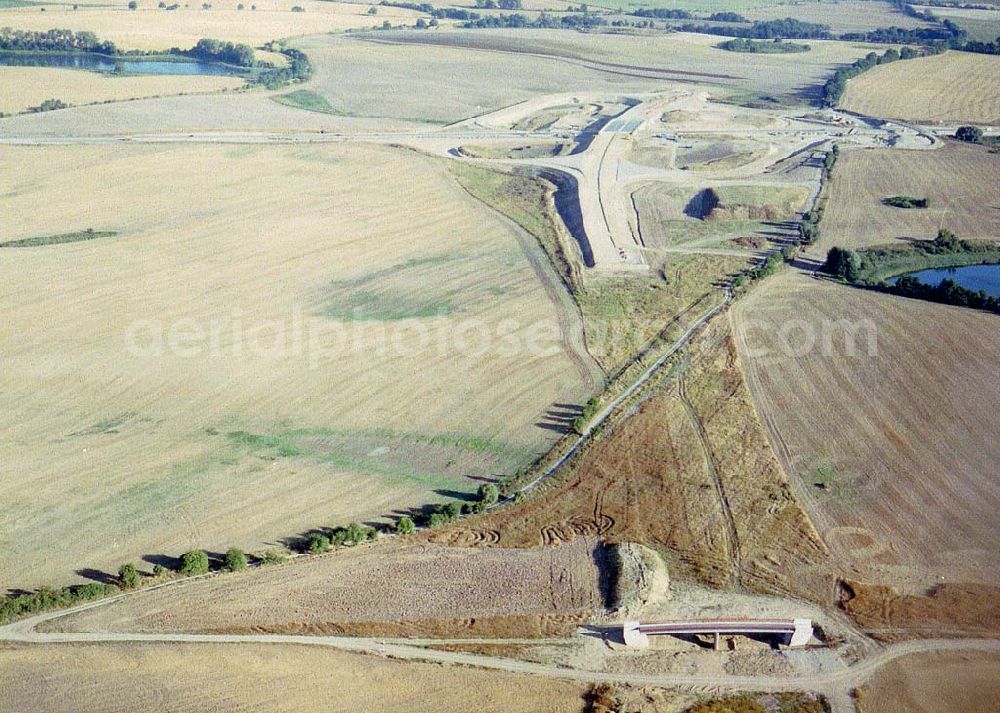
(97, 575)
(456, 495)
(806, 264)
(560, 417)
(165, 561)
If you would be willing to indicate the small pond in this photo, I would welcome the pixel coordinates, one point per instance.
(106, 63)
(971, 277)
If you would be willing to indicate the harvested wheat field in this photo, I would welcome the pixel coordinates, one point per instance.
(952, 87)
(687, 474)
(946, 682)
(400, 587)
(959, 179)
(229, 111)
(27, 87)
(224, 362)
(152, 28)
(883, 410)
(49, 678)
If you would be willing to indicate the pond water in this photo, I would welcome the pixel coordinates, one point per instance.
(105, 63)
(971, 277)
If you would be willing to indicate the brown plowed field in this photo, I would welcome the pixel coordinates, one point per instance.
(656, 480)
(894, 442)
(388, 588)
(959, 179)
(952, 87)
(216, 678)
(947, 682)
(946, 610)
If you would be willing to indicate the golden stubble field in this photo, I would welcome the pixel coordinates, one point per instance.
(883, 410)
(421, 588)
(953, 87)
(959, 179)
(277, 338)
(24, 87)
(51, 678)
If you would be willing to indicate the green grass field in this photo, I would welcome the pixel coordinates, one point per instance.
(305, 99)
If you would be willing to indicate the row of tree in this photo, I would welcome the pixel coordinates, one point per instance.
(789, 28)
(543, 21)
(54, 41)
(741, 44)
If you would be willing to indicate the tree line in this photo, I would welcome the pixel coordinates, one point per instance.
(54, 41)
(835, 86)
(543, 21)
(197, 562)
(741, 44)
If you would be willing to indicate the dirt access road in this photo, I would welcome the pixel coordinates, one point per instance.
(836, 684)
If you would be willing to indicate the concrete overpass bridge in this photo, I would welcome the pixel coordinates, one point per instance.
(797, 632)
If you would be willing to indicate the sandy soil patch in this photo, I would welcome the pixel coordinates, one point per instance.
(117, 452)
(221, 677)
(387, 582)
(25, 87)
(947, 88)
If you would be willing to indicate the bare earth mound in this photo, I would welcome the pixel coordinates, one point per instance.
(952, 682)
(884, 410)
(225, 677)
(381, 589)
(959, 180)
(953, 87)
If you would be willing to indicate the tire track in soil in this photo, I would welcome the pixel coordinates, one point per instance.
(732, 536)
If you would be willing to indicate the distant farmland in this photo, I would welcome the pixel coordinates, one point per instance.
(953, 87)
(959, 180)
